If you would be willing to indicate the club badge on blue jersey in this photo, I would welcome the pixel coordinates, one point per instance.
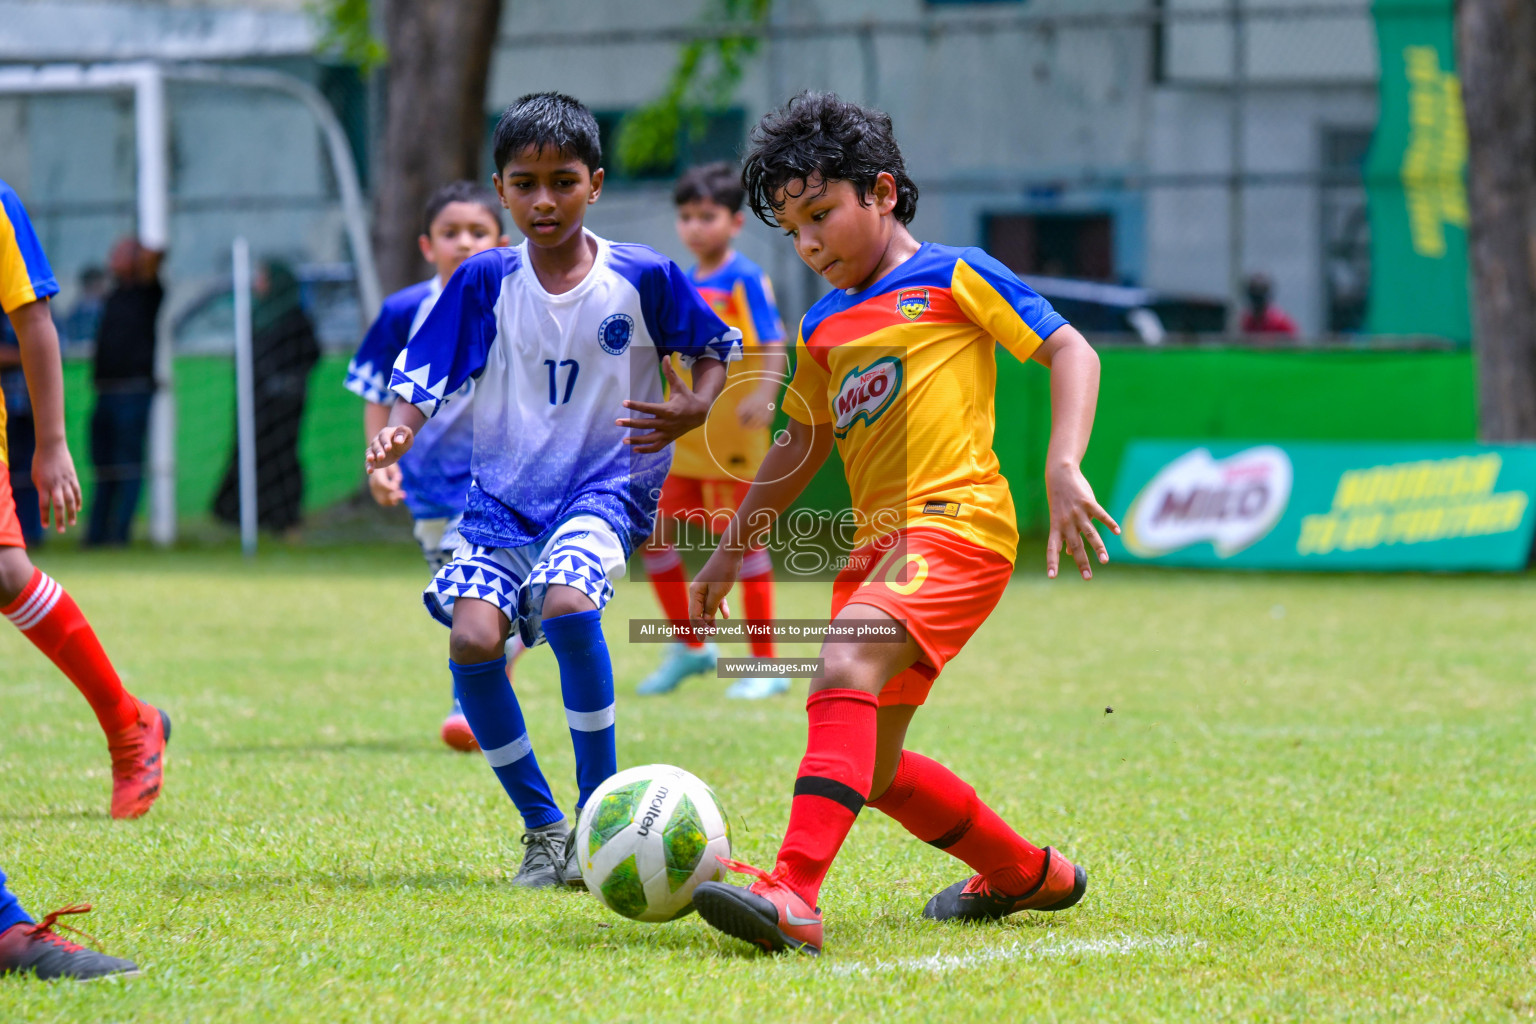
(615, 332)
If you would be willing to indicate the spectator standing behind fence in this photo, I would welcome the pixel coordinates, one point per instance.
(1262, 316)
(283, 351)
(125, 386)
(80, 324)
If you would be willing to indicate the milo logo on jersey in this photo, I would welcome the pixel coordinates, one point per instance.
(866, 394)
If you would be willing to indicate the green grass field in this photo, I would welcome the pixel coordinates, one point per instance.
(1313, 800)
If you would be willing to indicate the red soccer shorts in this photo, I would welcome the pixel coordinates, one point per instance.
(942, 587)
(10, 526)
(706, 503)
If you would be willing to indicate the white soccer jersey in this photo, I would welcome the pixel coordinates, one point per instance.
(552, 372)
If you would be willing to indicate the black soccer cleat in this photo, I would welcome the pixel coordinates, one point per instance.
(38, 949)
(1061, 885)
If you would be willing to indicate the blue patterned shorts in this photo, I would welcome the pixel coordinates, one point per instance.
(583, 553)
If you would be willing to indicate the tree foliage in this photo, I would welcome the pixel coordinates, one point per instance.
(346, 31)
(705, 78)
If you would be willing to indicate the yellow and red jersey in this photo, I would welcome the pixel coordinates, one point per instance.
(722, 449)
(25, 275)
(904, 373)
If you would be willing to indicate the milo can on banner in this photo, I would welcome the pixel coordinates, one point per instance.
(1325, 506)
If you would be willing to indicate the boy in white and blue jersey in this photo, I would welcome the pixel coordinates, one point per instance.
(560, 335)
(461, 219)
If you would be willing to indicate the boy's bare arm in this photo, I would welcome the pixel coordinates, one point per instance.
(1074, 367)
(786, 470)
(396, 438)
(685, 408)
(53, 469)
(384, 483)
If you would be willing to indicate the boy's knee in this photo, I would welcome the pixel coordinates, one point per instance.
(563, 600)
(472, 645)
(15, 573)
(843, 669)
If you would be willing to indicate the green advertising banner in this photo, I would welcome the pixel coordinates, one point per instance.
(1325, 506)
(1416, 176)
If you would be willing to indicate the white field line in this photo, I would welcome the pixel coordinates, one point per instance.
(1045, 949)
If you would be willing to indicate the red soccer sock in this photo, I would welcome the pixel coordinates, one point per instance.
(49, 617)
(757, 595)
(665, 569)
(942, 810)
(831, 788)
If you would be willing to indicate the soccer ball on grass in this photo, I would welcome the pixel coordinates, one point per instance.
(647, 837)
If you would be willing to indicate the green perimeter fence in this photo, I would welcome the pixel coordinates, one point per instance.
(1178, 393)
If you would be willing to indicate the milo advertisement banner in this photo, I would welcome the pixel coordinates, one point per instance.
(1416, 176)
(1325, 506)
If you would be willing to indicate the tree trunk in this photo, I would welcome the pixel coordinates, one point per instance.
(1496, 54)
(439, 60)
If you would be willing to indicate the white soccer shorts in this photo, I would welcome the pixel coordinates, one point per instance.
(584, 553)
(439, 539)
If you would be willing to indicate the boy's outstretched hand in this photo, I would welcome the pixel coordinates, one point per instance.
(667, 421)
(388, 446)
(1073, 510)
(58, 486)
(706, 594)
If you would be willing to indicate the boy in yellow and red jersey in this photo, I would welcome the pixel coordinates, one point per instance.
(32, 601)
(712, 467)
(897, 367)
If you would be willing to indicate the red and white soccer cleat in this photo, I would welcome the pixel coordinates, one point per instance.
(138, 761)
(1061, 885)
(768, 914)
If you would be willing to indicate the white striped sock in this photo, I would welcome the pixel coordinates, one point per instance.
(511, 752)
(37, 607)
(757, 563)
(660, 561)
(590, 721)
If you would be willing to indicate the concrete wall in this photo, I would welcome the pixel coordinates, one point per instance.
(1078, 117)
(1073, 119)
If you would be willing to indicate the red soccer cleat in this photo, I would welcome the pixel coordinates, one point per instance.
(38, 949)
(458, 735)
(138, 762)
(1060, 886)
(768, 914)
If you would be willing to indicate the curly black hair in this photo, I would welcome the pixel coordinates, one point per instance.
(822, 137)
(547, 119)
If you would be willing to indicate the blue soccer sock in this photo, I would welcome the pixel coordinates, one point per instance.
(11, 913)
(586, 683)
(494, 717)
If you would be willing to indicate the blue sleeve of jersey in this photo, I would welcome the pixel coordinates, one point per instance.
(452, 343)
(1032, 310)
(369, 372)
(765, 312)
(25, 276)
(680, 321)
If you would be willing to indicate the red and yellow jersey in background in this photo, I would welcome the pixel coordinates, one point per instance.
(904, 373)
(25, 275)
(722, 449)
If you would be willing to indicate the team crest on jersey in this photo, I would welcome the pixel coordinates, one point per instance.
(866, 394)
(912, 302)
(615, 333)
